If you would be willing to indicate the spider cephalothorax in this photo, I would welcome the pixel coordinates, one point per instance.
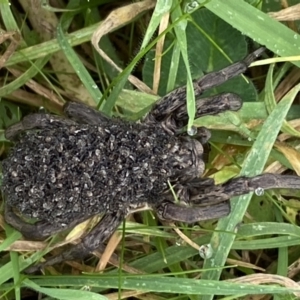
(63, 170)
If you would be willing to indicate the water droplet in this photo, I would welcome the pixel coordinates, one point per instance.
(191, 6)
(259, 191)
(295, 36)
(206, 251)
(178, 242)
(192, 131)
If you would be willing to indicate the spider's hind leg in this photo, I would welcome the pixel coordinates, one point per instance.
(244, 185)
(174, 212)
(35, 232)
(38, 231)
(91, 242)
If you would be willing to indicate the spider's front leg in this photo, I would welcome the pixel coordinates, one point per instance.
(209, 106)
(91, 242)
(84, 114)
(35, 121)
(77, 111)
(174, 103)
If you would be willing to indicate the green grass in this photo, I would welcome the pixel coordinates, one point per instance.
(48, 69)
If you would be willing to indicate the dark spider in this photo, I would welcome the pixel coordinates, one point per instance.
(62, 171)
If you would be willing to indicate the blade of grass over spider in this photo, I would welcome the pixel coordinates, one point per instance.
(257, 25)
(253, 165)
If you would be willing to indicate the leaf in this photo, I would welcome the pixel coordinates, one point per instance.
(208, 51)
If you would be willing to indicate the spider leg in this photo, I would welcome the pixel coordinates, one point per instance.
(76, 111)
(213, 197)
(243, 185)
(210, 106)
(35, 121)
(171, 211)
(93, 240)
(38, 231)
(205, 106)
(175, 99)
(84, 114)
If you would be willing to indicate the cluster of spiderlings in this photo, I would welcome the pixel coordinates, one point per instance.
(58, 174)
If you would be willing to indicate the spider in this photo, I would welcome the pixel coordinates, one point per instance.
(63, 170)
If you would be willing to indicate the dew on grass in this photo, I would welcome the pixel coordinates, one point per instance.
(206, 251)
(192, 131)
(259, 191)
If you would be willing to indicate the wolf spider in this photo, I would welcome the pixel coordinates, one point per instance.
(63, 170)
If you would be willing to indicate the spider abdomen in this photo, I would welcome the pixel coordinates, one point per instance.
(61, 173)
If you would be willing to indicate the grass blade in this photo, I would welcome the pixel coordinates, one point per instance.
(222, 242)
(257, 25)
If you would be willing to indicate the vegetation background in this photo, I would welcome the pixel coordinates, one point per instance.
(140, 50)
